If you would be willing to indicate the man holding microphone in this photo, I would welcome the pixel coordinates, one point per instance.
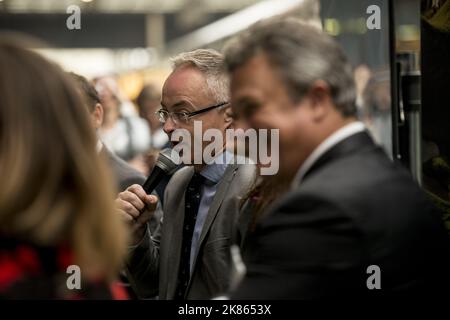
(188, 257)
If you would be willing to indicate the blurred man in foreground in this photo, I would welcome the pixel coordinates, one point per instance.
(351, 212)
(123, 174)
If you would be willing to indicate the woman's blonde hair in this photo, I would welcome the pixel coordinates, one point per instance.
(55, 188)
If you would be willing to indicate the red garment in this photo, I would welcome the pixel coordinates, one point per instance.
(31, 272)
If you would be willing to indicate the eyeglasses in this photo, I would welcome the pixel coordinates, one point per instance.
(177, 117)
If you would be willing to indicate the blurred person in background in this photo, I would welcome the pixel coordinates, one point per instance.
(377, 109)
(122, 130)
(362, 75)
(124, 175)
(56, 205)
(349, 208)
(148, 102)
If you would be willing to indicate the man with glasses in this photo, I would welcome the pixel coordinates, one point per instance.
(189, 256)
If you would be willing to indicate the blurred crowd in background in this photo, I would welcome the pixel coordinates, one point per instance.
(124, 46)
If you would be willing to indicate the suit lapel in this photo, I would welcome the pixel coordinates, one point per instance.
(215, 205)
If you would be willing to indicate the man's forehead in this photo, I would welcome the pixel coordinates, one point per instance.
(184, 76)
(185, 84)
(256, 64)
(255, 73)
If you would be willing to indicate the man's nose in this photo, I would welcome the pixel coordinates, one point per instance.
(169, 126)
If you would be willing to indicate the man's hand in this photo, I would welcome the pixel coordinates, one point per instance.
(136, 207)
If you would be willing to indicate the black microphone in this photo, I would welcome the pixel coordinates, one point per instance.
(165, 165)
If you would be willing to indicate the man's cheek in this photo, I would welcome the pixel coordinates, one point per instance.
(262, 122)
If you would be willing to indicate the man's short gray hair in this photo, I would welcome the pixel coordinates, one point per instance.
(211, 64)
(300, 54)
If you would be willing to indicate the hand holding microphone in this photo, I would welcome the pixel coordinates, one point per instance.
(136, 204)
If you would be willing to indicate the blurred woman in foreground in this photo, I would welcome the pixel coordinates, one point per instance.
(56, 202)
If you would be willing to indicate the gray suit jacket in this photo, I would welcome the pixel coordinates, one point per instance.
(153, 264)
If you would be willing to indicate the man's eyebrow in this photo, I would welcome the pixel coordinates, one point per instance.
(177, 104)
(180, 104)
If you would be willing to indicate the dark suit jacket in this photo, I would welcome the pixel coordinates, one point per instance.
(353, 209)
(154, 263)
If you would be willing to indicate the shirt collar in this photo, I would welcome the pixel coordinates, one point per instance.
(336, 137)
(215, 171)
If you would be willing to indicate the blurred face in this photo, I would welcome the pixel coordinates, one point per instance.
(259, 100)
(147, 112)
(107, 90)
(185, 90)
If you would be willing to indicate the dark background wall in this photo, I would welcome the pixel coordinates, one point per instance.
(97, 30)
(436, 86)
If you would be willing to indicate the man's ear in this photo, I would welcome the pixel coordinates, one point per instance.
(320, 99)
(98, 115)
(228, 114)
